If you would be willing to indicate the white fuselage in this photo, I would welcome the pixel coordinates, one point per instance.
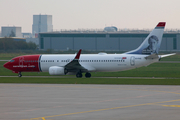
(98, 62)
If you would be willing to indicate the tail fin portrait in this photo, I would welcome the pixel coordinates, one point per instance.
(152, 42)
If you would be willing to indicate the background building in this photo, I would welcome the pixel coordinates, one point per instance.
(110, 29)
(104, 41)
(33, 40)
(42, 23)
(7, 31)
(27, 35)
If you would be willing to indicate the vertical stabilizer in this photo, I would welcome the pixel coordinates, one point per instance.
(152, 42)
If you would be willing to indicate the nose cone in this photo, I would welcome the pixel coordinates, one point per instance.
(6, 65)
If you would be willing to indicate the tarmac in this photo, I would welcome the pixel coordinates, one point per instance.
(89, 102)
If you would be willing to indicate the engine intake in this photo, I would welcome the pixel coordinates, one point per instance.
(56, 70)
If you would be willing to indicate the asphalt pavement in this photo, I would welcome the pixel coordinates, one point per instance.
(89, 102)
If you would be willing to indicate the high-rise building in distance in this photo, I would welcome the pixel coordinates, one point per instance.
(42, 23)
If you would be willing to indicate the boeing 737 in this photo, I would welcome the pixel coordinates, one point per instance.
(55, 64)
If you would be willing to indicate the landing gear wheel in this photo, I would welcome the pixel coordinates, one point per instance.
(79, 75)
(88, 75)
(19, 75)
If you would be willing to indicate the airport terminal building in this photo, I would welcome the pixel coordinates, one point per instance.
(103, 40)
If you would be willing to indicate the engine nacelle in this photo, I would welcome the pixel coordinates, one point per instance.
(55, 70)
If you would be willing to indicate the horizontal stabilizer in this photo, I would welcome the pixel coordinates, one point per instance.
(153, 56)
(161, 56)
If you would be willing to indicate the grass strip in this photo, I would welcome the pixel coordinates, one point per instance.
(120, 81)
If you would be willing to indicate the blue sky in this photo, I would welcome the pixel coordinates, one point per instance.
(91, 14)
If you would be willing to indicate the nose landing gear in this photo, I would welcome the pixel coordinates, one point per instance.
(19, 75)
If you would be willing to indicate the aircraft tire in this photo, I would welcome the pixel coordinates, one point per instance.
(79, 75)
(88, 75)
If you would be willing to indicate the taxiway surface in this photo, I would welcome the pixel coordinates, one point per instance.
(88, 102)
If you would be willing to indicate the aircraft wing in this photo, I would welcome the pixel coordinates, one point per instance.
(74, 64)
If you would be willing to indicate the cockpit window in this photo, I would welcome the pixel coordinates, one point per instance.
(11, 60)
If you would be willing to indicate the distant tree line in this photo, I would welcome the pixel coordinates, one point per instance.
(10, 44)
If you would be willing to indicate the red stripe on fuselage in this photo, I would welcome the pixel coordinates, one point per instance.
(26, 63)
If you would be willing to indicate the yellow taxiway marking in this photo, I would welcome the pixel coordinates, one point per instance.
(43, 118)
(171, 105)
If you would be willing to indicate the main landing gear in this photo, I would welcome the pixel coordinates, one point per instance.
(19, 74)
(79, 75)
(88, 75)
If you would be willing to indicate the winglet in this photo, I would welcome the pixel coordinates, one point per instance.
(78, 55)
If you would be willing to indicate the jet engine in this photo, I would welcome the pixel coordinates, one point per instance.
(56, 70)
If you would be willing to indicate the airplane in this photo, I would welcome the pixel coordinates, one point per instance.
(65, 64)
